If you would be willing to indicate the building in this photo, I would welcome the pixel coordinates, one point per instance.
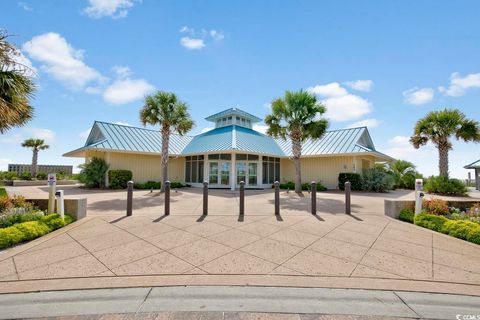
(230, 153)
(20, 168)
(475, 166)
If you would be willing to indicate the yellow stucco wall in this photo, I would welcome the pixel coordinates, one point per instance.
(144, 167)
(324, 169)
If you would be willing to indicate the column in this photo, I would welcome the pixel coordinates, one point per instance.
(233, 173)
(259, 171)
(205, 168)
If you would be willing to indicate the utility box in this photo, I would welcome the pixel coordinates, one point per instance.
(418, 195)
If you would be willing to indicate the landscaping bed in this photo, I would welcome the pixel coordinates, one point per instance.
(438, 216)
(20, 221)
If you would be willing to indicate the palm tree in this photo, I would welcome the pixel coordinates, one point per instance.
(16, 87)
(403, 173)
(166, 110)
(36, 145)
(438, 127)
(296, 116)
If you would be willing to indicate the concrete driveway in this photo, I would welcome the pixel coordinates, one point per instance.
(364, 250)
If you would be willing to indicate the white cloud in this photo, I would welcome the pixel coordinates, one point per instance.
(341, 105)
(59, 59)
(12, 139)
(84, 134)
(187, 29)
(328, 90)
(4, 164)
(418, 96)
(41, 133)
(109, 8)
(25, 7)
(360, 85)
(459, 85)
(192, 43)
(206, 129)
(260, 128)
(123, 123)
(122, 71)
(370, 123)
(401, 148)
(127, 90)
(217, 35)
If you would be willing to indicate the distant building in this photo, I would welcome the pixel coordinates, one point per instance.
(475, 166)
(20, 168)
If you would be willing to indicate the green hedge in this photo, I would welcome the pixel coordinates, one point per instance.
(3, 192)
(354, 178)
(461, 229)
(30, 230)
(445, 185)
(407, 215)
(117, 179)
(148, 185)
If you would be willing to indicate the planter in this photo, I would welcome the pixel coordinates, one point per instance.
(30, 183)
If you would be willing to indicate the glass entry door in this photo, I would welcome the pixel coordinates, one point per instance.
(219, 173)
(247, 172)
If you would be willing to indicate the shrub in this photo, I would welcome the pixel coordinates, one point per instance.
(354, 178)
(25, 176)
(118, 179)
(176, 185)
(93, 173)
(438, 207)
(473, 235)
(287, 185)
(32, 229)
(8, 175)
(407, 215)
(3, 192)
(42, 176)
(474, 210)
(458, 228)
(430, 221)
(445, 185)
(148, 185)
(376, 180)
(11, 219)
(307, 186)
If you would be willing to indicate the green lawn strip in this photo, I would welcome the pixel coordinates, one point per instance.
(29, 230)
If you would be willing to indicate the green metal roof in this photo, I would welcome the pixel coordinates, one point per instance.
(473, 165)
(120, 138)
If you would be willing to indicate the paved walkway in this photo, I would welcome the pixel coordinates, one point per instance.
(236, 303)
(331, 249)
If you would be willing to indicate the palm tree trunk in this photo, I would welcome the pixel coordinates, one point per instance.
(297, 152)
(165, 143)
(34, 167)
(443, 158)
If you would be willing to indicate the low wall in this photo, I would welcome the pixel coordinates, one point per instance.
(77, 208)
(29, 183)
(393, 207)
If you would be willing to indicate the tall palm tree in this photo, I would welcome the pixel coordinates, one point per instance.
(438, 127)
(16, 87)
(402, 171)
(296, 116)
(166, 110)
(36, 145)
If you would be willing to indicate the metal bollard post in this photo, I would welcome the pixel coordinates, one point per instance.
(348, 189)
(314, 197)
(167, 198)
(277, 198)
(129, 198)
(242, 197)
(205, 198)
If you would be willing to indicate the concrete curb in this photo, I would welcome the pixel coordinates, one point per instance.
(22, 286)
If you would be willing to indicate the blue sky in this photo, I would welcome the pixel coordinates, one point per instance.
(96, 59)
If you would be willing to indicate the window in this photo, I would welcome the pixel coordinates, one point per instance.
(194, 169)
(271, 170)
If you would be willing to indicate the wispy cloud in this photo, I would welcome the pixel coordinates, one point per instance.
(418, 96)
(370, 123)
(192, 43)
(197, 39)
(126, 90)
(25, 6)
(460, 85)
(114, 9)
(360, 85)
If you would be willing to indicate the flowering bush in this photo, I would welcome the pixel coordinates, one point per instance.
(437, 207)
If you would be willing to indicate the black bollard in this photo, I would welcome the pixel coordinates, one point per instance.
(242, 197)
(277, 198)
(348, 190)
(167, 198)
(205, 198)
(129, 198)
(314, 197)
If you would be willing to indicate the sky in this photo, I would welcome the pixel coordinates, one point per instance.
(383, 64)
